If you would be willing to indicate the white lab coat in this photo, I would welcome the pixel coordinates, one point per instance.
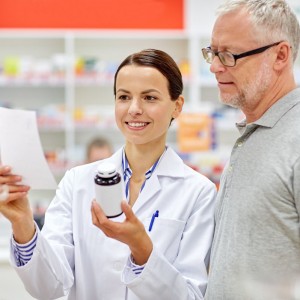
(73, 256)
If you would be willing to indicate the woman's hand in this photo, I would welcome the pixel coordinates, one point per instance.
(16, 206)
(131, 232)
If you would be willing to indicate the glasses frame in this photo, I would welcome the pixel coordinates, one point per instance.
(235, 56)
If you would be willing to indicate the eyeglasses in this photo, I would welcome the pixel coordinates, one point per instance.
(227, 58)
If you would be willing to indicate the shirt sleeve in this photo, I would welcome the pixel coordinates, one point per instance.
(23, 252)
(132, 270)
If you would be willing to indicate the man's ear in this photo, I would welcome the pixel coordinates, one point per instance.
(284, 56)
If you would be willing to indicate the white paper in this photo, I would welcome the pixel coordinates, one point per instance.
(21, 148)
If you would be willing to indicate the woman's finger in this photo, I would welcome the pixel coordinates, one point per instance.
(4, 170)
(10, 179)
(127, 210)
(99, 215)
(4, 192)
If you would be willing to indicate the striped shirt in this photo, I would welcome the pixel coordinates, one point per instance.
(24, 252)
(127, 173)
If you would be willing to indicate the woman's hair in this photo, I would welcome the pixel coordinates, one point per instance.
(273, 20)
(161, 61)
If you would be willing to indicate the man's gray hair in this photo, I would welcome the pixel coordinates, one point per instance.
(273, 20)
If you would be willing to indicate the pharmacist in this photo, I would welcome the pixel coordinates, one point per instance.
(159, 247)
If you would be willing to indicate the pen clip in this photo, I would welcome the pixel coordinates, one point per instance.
(155, 215)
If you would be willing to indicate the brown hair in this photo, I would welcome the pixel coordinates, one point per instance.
(161, 61)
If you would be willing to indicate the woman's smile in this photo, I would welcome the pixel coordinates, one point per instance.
(137, 125)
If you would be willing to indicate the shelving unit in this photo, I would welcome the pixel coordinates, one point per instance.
(39, 72)
(73, 106)
(67, 77)
(109, 49)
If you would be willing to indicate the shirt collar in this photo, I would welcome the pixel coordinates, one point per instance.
(127, 172)
(274, 113)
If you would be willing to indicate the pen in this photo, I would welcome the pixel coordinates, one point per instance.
(155, 215)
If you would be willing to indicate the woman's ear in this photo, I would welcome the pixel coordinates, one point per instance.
(178, 107)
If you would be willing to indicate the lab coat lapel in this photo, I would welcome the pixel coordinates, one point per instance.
(116, 159)
(151, 188)
(170, 165)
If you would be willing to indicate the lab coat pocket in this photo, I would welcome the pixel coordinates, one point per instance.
(166, 235)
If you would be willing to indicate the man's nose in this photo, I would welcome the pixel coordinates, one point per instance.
(216, 65)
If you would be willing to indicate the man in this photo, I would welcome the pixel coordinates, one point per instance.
(98, 148)
(256, 248)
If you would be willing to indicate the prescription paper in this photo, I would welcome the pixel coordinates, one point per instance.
(21, 148)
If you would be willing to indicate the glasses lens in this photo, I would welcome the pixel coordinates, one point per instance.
(208, 55)
(227, 59)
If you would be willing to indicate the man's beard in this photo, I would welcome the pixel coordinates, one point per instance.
(253, 91)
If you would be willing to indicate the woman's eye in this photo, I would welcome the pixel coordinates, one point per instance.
(123, 97)
(150, 98)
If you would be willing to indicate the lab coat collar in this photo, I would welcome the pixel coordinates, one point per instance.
(170, 165)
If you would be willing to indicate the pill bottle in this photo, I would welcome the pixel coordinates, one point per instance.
(108, 189)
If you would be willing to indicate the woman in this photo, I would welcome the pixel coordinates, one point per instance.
(159, 247)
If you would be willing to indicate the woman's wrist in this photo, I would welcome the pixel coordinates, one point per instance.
(142, 252)
(23, 232)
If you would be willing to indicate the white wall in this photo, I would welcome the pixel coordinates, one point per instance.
(200, 16)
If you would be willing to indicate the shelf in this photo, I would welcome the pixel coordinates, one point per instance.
(67, 77)
(74, 105)
(52, 81)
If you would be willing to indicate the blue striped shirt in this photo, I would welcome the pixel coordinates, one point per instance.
(24, 252)
(127, 173)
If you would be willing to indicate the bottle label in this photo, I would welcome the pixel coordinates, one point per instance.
(109, 197)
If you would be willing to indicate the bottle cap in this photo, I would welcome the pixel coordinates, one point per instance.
(106, 169)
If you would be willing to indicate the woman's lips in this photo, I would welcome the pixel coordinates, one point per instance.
(137, 125)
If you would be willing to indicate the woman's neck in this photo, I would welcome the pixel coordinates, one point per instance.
(142, 157)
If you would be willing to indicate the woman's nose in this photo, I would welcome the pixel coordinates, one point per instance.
(135, 107)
